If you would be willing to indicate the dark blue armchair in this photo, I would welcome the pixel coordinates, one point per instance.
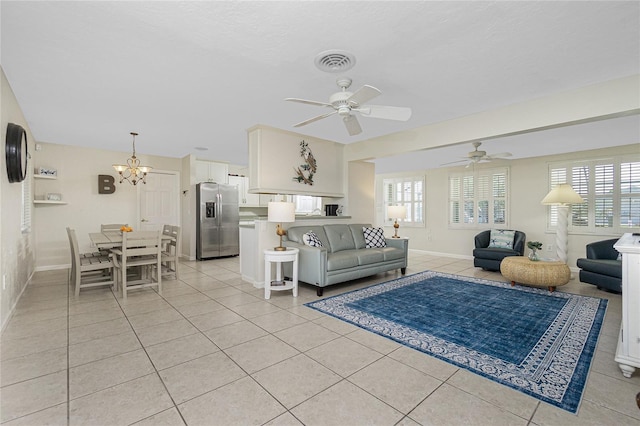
(601, 266)
(489, 258)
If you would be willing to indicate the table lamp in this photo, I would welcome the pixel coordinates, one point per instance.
(562, 196)
(396, 212)
(280, 211)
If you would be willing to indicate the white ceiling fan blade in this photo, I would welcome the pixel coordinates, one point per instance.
(454, 162)
(311, 120)
(363, 95)
(500, 155)
(352, 125)
(386, 112)
(305, 101)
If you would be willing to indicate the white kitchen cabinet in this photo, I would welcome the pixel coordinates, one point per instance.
(211, 171)
(628, 350)
(244, 198)
(265, 199)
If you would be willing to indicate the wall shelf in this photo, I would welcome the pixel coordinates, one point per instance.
(37, 176)
(48, 202)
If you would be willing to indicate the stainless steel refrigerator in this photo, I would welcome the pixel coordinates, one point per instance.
(217, 220)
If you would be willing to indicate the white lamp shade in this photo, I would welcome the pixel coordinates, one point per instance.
(397, 212)
(562, 194)
(280, 211)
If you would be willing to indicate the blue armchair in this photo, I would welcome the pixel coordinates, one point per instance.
(601, 267)
(489, 258)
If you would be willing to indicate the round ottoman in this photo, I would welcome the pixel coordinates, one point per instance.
(520, 269)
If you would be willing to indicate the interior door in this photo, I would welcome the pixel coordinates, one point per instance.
(159, 201)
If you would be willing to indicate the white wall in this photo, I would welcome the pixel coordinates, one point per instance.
(528, 184)
(78, 169)
(16, 249)
(361, 192)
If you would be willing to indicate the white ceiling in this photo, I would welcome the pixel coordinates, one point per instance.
(198, 74)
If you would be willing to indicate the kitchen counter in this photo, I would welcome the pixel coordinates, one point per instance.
(250, 223)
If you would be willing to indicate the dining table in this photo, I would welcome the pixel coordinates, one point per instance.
(112, 239)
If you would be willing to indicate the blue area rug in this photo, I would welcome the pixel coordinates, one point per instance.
(537, 342)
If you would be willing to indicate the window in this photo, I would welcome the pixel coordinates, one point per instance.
(478, 198)
(307, 204)
(405, 191)
(611, 192)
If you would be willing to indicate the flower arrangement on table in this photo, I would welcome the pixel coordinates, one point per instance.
(534, 246)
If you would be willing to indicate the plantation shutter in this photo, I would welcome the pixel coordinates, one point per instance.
(580, 184)
(499, 186)
(603, 195)
(408, 192)
(25, 225)
(630, 195)
(468, 199)
(610, 188)
(483, 199)
(454, 199)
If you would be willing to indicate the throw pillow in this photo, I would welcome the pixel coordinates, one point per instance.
(373, 237)
(502, 238)
(311, 239)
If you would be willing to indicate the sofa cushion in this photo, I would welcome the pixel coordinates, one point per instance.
(374, 237)
(493, 253)
(501, 238)
(358, 236)
(296, 233)
(339, 237)
(342, 260)
(369, 256)
(311, 239)
(612, 268)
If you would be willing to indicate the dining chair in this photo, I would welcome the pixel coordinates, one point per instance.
(140, 249)
(170, 251)
(88, 269)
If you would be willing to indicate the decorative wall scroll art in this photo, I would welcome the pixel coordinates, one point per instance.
(305, 172)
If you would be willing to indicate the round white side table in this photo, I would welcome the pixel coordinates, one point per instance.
(277, 257)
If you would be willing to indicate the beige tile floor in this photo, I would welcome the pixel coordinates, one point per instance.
(212, 351)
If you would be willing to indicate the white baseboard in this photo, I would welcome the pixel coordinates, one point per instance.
(440, 254)
(52, 267)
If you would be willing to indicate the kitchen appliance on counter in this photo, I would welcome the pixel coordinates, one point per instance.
(217, 220)
(331, 210)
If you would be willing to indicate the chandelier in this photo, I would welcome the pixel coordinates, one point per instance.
(133, 172)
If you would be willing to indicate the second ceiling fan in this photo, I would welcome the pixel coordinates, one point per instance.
(345, 103)
(477, 156)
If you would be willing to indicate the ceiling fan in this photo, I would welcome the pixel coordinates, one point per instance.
(477, 156)
(344, 103)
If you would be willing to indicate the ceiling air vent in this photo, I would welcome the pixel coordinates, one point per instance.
(335, 61)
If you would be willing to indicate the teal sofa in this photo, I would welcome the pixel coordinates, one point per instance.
(343, 256)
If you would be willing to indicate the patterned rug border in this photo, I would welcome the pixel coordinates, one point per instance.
(514, 376)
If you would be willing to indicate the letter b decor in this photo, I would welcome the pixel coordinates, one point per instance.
(106, 184)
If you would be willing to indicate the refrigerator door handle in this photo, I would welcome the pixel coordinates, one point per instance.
(219, 207)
